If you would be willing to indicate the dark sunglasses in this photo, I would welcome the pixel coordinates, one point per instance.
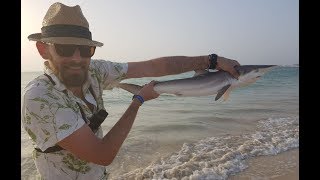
(67, 50)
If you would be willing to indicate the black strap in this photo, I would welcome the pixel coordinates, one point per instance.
(93, 94)
(50, 149)
(50, 78)
(82, 113)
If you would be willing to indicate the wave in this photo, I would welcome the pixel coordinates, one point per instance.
(289, 65)
(219, 157)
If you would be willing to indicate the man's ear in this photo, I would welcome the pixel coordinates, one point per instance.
(43, 50)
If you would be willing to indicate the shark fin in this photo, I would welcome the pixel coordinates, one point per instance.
(222, 91)
(200, 72)
(226, 94)
(133, 88)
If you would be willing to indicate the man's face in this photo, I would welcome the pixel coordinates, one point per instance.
(71, 70)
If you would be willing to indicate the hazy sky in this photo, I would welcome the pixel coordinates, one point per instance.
(250, 31)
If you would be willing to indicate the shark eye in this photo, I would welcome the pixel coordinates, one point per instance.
(258, 76)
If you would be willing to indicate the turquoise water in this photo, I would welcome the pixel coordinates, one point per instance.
(197, 137)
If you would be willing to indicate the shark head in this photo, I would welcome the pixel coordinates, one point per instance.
(251, 73)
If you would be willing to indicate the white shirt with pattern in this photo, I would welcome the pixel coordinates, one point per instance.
(50, 115)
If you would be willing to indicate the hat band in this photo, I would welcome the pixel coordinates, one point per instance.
(63, 30)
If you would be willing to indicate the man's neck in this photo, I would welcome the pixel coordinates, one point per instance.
(77, 91)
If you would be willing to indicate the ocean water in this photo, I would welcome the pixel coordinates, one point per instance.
(197, 137)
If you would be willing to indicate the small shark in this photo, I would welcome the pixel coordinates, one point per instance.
(205, 83)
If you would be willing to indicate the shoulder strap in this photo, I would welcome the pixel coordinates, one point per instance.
(50, 78)
(50, 149)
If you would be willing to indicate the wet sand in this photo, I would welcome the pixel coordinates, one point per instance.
(284, 166)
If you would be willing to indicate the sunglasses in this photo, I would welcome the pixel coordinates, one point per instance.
(67, 50)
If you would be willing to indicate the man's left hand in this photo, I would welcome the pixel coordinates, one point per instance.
(228, 65)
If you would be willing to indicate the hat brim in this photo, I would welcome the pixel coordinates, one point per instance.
(64, 40)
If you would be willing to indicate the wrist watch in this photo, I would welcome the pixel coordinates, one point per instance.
(213, 58)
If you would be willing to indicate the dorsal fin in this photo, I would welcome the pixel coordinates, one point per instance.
(200, 72)
(222, 91)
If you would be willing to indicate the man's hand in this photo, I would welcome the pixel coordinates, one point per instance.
(228, 65)
(147, 92)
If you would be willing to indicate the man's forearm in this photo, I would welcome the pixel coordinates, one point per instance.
(166, 66)
(116, 136)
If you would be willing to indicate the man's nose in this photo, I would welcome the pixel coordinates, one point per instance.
(76, 55)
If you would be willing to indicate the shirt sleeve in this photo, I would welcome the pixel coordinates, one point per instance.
(48, 118)
(109, 73)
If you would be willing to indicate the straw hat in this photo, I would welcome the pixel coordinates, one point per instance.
(65, 25)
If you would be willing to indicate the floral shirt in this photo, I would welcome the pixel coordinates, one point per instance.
(50, 113)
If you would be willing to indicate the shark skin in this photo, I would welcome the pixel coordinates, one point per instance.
(205, 83)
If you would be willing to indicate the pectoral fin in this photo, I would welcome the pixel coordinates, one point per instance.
(226, 94)
(222, 91)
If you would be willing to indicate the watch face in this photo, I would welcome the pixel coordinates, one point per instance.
(213, 61)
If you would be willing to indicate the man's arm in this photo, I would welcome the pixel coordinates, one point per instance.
(166, 66)
(85, 145)
(177, 64)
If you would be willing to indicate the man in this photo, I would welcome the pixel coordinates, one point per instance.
(62, 110)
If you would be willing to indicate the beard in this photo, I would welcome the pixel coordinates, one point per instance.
(72, 74)
(72, 78)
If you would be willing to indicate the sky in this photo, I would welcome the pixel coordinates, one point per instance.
(249, 31)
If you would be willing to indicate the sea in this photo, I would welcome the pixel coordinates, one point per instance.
(252, 135)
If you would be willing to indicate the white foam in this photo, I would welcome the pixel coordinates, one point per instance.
(219, 157)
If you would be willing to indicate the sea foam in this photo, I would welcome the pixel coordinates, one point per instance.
(219, 157)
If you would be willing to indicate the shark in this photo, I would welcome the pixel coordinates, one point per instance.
(205, 83)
